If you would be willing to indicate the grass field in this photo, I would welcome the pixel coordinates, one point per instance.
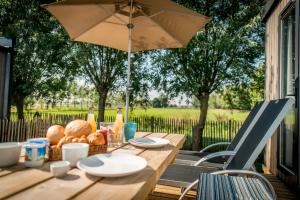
(175, 113)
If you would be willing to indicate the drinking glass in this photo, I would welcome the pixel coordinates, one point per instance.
(129, 130)
(113, 139)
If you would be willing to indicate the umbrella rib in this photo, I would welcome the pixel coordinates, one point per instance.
(95, 24)
(184, 12)
(114, 14)
(162, 28)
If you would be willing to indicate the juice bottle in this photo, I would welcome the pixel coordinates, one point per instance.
(118, 126)
(91, 120)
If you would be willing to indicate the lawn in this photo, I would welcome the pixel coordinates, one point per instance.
(177, 113)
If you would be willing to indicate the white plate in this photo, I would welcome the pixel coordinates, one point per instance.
(112, 165)
(149, 142)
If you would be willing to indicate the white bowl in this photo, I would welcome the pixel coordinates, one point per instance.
(74, 151)
(9, 153)
(60, 168)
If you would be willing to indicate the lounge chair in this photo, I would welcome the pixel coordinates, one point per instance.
(242, 159)
(191, 157)
(247, 185)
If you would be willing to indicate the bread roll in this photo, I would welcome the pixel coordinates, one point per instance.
(78, 128)
(96, 139)
(61, 142)
(83, 140)
(55, 133)
(75, 140)
(69, 139)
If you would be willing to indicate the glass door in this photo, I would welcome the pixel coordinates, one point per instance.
(288, 140)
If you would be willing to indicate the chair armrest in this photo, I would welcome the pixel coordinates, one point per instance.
(213, 145)
(215, 155)
(249, 173)
(188, 189)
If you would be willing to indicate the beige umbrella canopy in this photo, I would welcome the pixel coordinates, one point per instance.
(128, 25)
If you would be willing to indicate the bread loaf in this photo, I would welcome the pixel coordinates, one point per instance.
(96, 139)
(78, 128)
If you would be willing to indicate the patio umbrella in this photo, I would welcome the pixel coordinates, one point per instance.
(128, 25)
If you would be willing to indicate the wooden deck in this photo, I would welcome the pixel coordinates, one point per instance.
(162, 192)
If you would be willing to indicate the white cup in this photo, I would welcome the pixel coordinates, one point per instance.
(74, 152)
(60, 168)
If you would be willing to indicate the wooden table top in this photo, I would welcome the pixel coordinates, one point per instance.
(19, 182)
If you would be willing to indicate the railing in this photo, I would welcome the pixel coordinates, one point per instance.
(36, 126)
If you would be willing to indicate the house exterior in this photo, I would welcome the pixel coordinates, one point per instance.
(282, 70)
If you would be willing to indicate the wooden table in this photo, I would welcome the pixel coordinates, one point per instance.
(18, 182)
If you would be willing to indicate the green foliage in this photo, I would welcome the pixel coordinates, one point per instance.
(216, 101)
(257, 84)
(106, 69)
(237, 97)
(160, 102)
(245, 95)
(41, 66)
(173, 113)
(223, 53)
(156, 103)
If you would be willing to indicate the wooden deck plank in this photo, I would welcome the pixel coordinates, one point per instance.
(136, 187)
(33, 176)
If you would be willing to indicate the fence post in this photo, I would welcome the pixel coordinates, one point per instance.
(152, 124)
(229, 129)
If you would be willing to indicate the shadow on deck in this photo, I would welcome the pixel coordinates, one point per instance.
(162, 192)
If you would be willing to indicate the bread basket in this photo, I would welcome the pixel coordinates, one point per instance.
(55, 153)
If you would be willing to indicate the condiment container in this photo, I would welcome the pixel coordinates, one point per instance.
(60, 168)
(34, 154)
(41, 141)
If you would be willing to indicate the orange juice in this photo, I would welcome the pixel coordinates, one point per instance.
(118, 126)
(91, 120)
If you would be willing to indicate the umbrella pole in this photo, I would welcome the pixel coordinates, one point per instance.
(130, 27)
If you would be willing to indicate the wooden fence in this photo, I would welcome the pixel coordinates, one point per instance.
(36, 126)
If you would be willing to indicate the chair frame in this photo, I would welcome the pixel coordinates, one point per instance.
(235, 172)
(242, 139)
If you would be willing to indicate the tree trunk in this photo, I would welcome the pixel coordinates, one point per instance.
(199, 128)
(20, 106)
(101, 105)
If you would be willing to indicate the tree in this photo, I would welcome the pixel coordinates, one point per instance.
(41, 64)
(223, 53)
(156, 103)
(238, 97)
(104, 67)
(160, 102)
(245, 95)
(257, 85)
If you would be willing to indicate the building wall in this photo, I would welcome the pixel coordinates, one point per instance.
(272, 83)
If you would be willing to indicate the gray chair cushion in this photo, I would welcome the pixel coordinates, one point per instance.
(183, 176)
(211, 187)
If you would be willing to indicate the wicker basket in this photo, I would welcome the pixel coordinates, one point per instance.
(56, 153)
